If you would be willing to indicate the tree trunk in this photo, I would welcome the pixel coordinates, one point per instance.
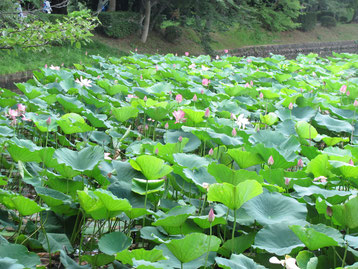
(145, 32)
(112, 5)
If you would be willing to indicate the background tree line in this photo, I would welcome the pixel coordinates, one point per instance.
(124, 17)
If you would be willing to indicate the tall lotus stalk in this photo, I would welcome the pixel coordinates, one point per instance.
(211, 218)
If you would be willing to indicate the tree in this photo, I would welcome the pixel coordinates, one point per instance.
(37, 34)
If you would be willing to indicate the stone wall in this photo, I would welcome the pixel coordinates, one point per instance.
(292, 50)
(7, 81)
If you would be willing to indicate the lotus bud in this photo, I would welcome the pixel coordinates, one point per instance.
(290, 106)
(329, 211)
(156, 68)
(179, 98)
(205, 185)
(251, 83)
(180, 139)
(261, 95)
(348, 93)
(146, 127)
(343, 89)
(141, 76)
(270, 161)
(156, 151)
(202, 91)
(207, 113)
(234, 133)
(351, 162)
(166, 126)
(355, 103)
(145, 98)
(186, 54)
(226, 51)
(211, 216)
(287, 181)
(211, 152)
(174, 65)
(195, 98)
(48, 121)
(300, 163)
(45, 65)
(217, 57)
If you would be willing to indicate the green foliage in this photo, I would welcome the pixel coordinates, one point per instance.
(328, 21)
(172, 33)
(118, 24)
(278, 18)
(308, 21)
(74, 28)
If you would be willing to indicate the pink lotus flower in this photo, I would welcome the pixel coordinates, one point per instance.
(343, 89)
(355, 102)
(179, 98)
(48, 121)
(270, 161)
(211, 152)
(13, 113)
(300, 163)
(136, 50)
(180, 139)
(192, 66)
(249, 60)
(84, 82)
(57, 68)
(247, 85)
(21, 108)
(205, 82)
(131, 96)
(290, 106)
(45, 65)
(226, 51)
(205, 185)
(195, 98)
(106, 156)
(322, 179)
(179, 116)
(207, 113)
(211, 216)
(234, 133)
(287, 181)
(351, 162)
(186, 54)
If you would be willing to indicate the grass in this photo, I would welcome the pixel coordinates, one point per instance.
(236, 37)
(12, 61)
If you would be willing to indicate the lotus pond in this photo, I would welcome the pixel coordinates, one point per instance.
(182, 162)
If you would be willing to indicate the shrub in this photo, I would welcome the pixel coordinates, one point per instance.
(327, 21)
(118, 24)
(323, 14)
(51, 17)
(308, 21)
(172, 33)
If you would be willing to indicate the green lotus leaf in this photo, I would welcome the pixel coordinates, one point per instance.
(126, 256)
(114, 242)
(305, 130)
(151, 167)
(125, 113)
(238, 262)
(193, 246)
(234, 196)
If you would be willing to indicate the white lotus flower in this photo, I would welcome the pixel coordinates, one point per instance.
(241, 121)
(288, 262)
(84, 82)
